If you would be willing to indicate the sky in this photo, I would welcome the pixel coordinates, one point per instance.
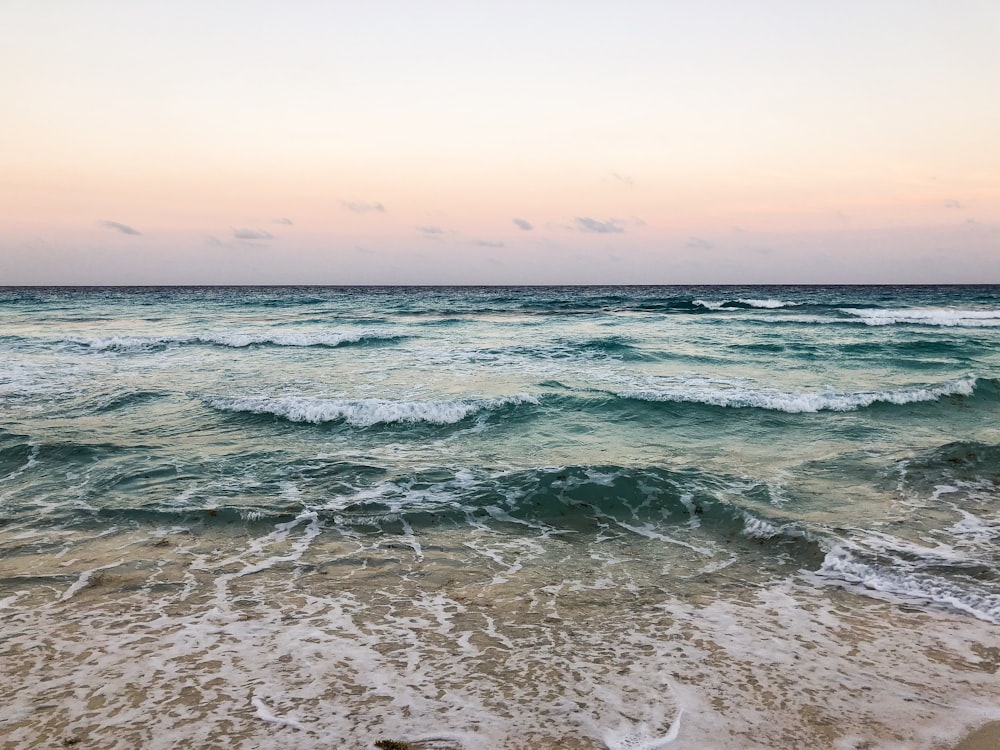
(543, 142)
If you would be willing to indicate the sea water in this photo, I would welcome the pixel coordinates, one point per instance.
(626, 518)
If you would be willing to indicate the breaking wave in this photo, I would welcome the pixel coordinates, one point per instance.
(920, 574)
(364, 412)
(928, 317)
(237, 340)
(736, 395)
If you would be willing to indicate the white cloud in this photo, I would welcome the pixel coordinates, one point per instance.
(362, 207)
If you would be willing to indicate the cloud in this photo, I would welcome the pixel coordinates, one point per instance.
(431, 230)
(284, 220)
(362, 207)
(622, 179)
(123, 228)
(587, 224)
(698, 243)
(487, 243)
(252, 234)
(951, 203)
(523, 225)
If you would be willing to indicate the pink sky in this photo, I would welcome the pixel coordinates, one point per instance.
(641, 142)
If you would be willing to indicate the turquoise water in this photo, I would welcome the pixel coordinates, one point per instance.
(223, 456)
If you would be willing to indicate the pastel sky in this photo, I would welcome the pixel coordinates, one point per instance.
(407, 142)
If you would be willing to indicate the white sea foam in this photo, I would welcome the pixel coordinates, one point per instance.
(740, 395)
(122, 343)
(10, 600)
(764, 304)
(976, 529)
(926, 316)
(314, 338)
(364, 412)
(642, 737)
(710, 304)
(265, 714)
(767, 304)
(758, 528)
(889, 575)
(85, 579)
(236, 340)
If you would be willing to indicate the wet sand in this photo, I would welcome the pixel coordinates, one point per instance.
(293, 642)
(986, 737)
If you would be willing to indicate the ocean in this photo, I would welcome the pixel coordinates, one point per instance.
(528, 517)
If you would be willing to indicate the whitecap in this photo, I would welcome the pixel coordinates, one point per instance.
(708, 304)
(926, 316)
(740, 395)
(236, 340)
(767, 304)
(301, 338)
(363, 412)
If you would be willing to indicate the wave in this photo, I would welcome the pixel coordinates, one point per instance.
(926, 316)
(918, 574)
(733, 394)
(364, 412)
(17, 453)
(688, 508)
(744, 303)
(646, 502)
(236, 340)
(940, 347)
(471, 304)
(767, 304)
(609, 347)
(368, 412)
(972, 459)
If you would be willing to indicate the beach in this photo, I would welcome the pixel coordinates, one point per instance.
(320, 649)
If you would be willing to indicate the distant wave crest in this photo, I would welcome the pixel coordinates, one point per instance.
(236, 340)
(926, 316)
(741, 303)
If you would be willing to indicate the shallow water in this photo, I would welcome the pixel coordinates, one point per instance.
(470, 518)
